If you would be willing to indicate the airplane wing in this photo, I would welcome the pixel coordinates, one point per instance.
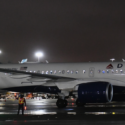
(33, 75)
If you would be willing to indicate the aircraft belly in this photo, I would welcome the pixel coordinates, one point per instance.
(49, 84)
(68, 85)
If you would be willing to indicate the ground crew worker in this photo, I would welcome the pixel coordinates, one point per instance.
(21, 104)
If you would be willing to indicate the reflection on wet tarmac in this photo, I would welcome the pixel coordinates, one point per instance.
(45, 111)
(48, 106)
(42, 112)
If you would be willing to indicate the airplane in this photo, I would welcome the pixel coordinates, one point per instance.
(92, 82)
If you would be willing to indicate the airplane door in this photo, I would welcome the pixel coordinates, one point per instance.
(91, 72)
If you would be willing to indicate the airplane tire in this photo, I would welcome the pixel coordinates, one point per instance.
(61, 103)
(66, 103)
(79, 104)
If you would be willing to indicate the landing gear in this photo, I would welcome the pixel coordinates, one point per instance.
(61, 103)
(79, 104)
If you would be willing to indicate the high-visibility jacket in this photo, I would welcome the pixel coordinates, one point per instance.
(21, 100)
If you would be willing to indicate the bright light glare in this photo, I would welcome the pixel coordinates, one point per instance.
(0, 51)
(39, 54)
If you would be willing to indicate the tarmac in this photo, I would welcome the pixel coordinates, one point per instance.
(44, 111)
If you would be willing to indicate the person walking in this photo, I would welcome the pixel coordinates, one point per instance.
(21, 104)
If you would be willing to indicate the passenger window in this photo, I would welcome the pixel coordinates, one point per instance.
(51, 72)
(76, 72)
(38, 71)
(116, 71)
(42, 72)
(55, 72)
(103, 71)
(91, 71)
(112, 71)
(63, 71)
(84, 71)
(68, 71)
(99, 71)
(107, 71)
(121, 71)
(71, 71)
(47, 72)
(59, 72)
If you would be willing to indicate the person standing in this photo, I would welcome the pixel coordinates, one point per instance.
(21, 104)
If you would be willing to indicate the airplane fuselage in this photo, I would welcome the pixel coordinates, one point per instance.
(82, 72)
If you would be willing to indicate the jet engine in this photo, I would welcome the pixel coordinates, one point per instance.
(94, 92)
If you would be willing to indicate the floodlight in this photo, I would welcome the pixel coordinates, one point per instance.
(38, 55)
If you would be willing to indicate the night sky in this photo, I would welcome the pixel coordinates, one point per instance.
(65, 30)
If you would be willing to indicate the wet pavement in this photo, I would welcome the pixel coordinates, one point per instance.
(44, 111)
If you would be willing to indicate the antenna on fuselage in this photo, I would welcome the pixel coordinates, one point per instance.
(112, 59)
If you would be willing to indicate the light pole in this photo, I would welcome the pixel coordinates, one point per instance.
(38, 55)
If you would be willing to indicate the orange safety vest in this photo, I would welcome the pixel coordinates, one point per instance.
(21, 100)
